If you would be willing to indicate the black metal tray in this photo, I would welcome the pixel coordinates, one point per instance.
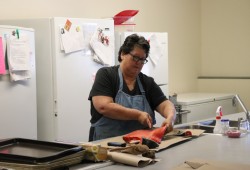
(20, 150)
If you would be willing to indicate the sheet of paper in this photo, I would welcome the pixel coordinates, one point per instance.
(72, 40)
(20, 75)
(2, 58)
(155, 49)
(129, 159)
(18, 52)
(88, 31)
(102, 42)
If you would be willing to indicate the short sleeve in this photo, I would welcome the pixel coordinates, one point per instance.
(105, 83)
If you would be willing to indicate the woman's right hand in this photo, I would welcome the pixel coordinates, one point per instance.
(145, 119)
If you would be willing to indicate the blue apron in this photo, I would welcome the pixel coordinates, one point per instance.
(107, 127)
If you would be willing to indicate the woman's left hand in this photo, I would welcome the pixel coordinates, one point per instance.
(169, 125)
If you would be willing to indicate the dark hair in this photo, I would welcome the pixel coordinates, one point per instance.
(131, 42)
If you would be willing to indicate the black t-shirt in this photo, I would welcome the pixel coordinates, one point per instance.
(107, 84)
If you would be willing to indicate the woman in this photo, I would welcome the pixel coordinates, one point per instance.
(123, 99)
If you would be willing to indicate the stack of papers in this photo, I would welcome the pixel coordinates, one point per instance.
(19, 57)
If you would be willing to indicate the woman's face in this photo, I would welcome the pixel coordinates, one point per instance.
(132, 62)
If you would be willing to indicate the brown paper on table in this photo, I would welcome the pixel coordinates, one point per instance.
(168, 140)
(129, 159)
(195, 132)
(172, 138)
(211, 165)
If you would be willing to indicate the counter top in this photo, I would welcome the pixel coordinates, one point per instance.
(207, 147)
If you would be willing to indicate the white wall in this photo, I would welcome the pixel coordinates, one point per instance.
(202, 34)
(225, 48)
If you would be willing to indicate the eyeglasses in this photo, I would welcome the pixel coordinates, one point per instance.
(136, 59)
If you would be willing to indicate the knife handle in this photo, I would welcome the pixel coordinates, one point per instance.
(118, 144)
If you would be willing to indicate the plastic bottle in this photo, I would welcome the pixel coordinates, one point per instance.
(217, 127)
(224, 126)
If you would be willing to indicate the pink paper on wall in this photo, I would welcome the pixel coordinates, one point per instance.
(2, 57)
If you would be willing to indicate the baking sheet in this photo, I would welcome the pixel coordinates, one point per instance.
(61, 163)
(20, 150)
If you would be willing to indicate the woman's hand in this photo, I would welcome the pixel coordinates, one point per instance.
(145, 119)
(167, 110)
(169, 124)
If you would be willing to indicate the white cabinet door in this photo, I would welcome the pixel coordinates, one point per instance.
(18, 102)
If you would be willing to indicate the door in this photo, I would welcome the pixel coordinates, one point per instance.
(18, 99)
(73, 78)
